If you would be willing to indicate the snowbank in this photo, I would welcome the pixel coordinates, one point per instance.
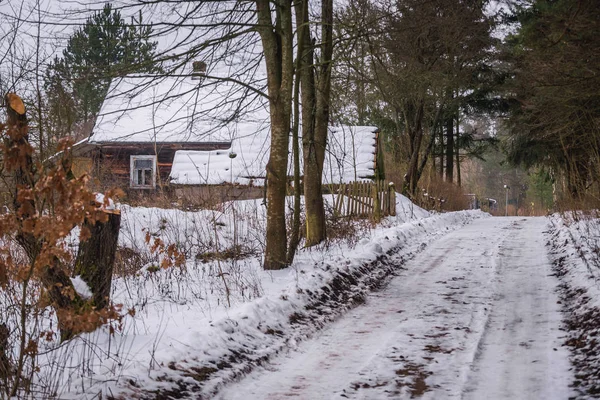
(574, 241)
(183, 337)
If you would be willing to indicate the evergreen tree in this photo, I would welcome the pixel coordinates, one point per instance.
(556, 91)
(411, 67)
(104, 48)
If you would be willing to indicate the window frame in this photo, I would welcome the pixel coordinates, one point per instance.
(133, 171)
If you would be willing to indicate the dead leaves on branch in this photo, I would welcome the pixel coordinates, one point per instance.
(47, 205)
(88, 319)
(168, 255)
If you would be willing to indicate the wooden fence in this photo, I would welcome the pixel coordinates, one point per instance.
(364, 199)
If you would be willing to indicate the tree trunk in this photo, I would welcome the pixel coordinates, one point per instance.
(63, 297)
(458, 177)
(450, 149)
(96, 257)
(295, 231)
(277, 40)
(415, 132)
(413, 165)
(306, 72)
(429, 147)
(314, 145)
(276, 240)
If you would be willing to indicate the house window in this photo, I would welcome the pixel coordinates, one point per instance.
(143, 172)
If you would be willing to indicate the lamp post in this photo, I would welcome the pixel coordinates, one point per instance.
(506, 201)
(232, 155)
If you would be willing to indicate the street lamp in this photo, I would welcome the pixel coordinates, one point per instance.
(232, 155)
(506, 201)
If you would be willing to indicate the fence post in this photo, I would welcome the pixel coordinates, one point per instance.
(376, 202)
(354, 202)
(366, 196)
(392, 198)
(339, 200)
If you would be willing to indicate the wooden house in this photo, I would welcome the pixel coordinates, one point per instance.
(177, 133)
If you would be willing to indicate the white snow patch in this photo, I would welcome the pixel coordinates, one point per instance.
(106, 202)
(81, 287)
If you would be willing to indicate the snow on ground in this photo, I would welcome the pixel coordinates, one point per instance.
(407, 210)
(184, 338)
(574, 240)
(473, 317)
(195, 232)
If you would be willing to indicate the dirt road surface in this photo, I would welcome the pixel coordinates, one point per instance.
(474, 316)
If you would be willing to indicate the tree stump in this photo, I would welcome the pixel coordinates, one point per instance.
(4, 362)
(96, 257)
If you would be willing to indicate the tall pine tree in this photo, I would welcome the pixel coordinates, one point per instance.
(556, 91)
(104, 48)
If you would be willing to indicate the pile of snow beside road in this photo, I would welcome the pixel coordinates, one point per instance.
(184, 336)
(576, 239)
(574, 245)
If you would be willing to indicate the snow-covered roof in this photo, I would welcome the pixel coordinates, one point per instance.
(351, 153)
(229, 101)
(146, 109)
(242, 163)
(177, 109)
(350, 156)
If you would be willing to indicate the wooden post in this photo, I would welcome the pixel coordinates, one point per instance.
(361, 203)
(392, 197)
(354, 202)
(385, 199)
(355, 199)
(338, 201)
(96, 257)
(376, 203)
(342, 204)
(363, 198)
(366, 198)
(4, 361)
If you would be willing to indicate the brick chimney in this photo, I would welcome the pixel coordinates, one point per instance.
(198, 70)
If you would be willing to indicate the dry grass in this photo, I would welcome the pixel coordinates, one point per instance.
(588, 202)
(442, 196)
(433, 193)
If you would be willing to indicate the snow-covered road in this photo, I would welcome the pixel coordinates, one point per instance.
(474, 316)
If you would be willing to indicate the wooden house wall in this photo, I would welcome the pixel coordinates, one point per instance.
(379, 158)
(112, 162)
(209, 195)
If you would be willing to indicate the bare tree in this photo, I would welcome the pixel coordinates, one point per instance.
(314, 69)
(278, 40)
(418, 55)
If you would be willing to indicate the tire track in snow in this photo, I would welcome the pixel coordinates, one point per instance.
(427, 334)
(520, 355)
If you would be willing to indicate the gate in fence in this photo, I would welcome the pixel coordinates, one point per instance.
(364, 199)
